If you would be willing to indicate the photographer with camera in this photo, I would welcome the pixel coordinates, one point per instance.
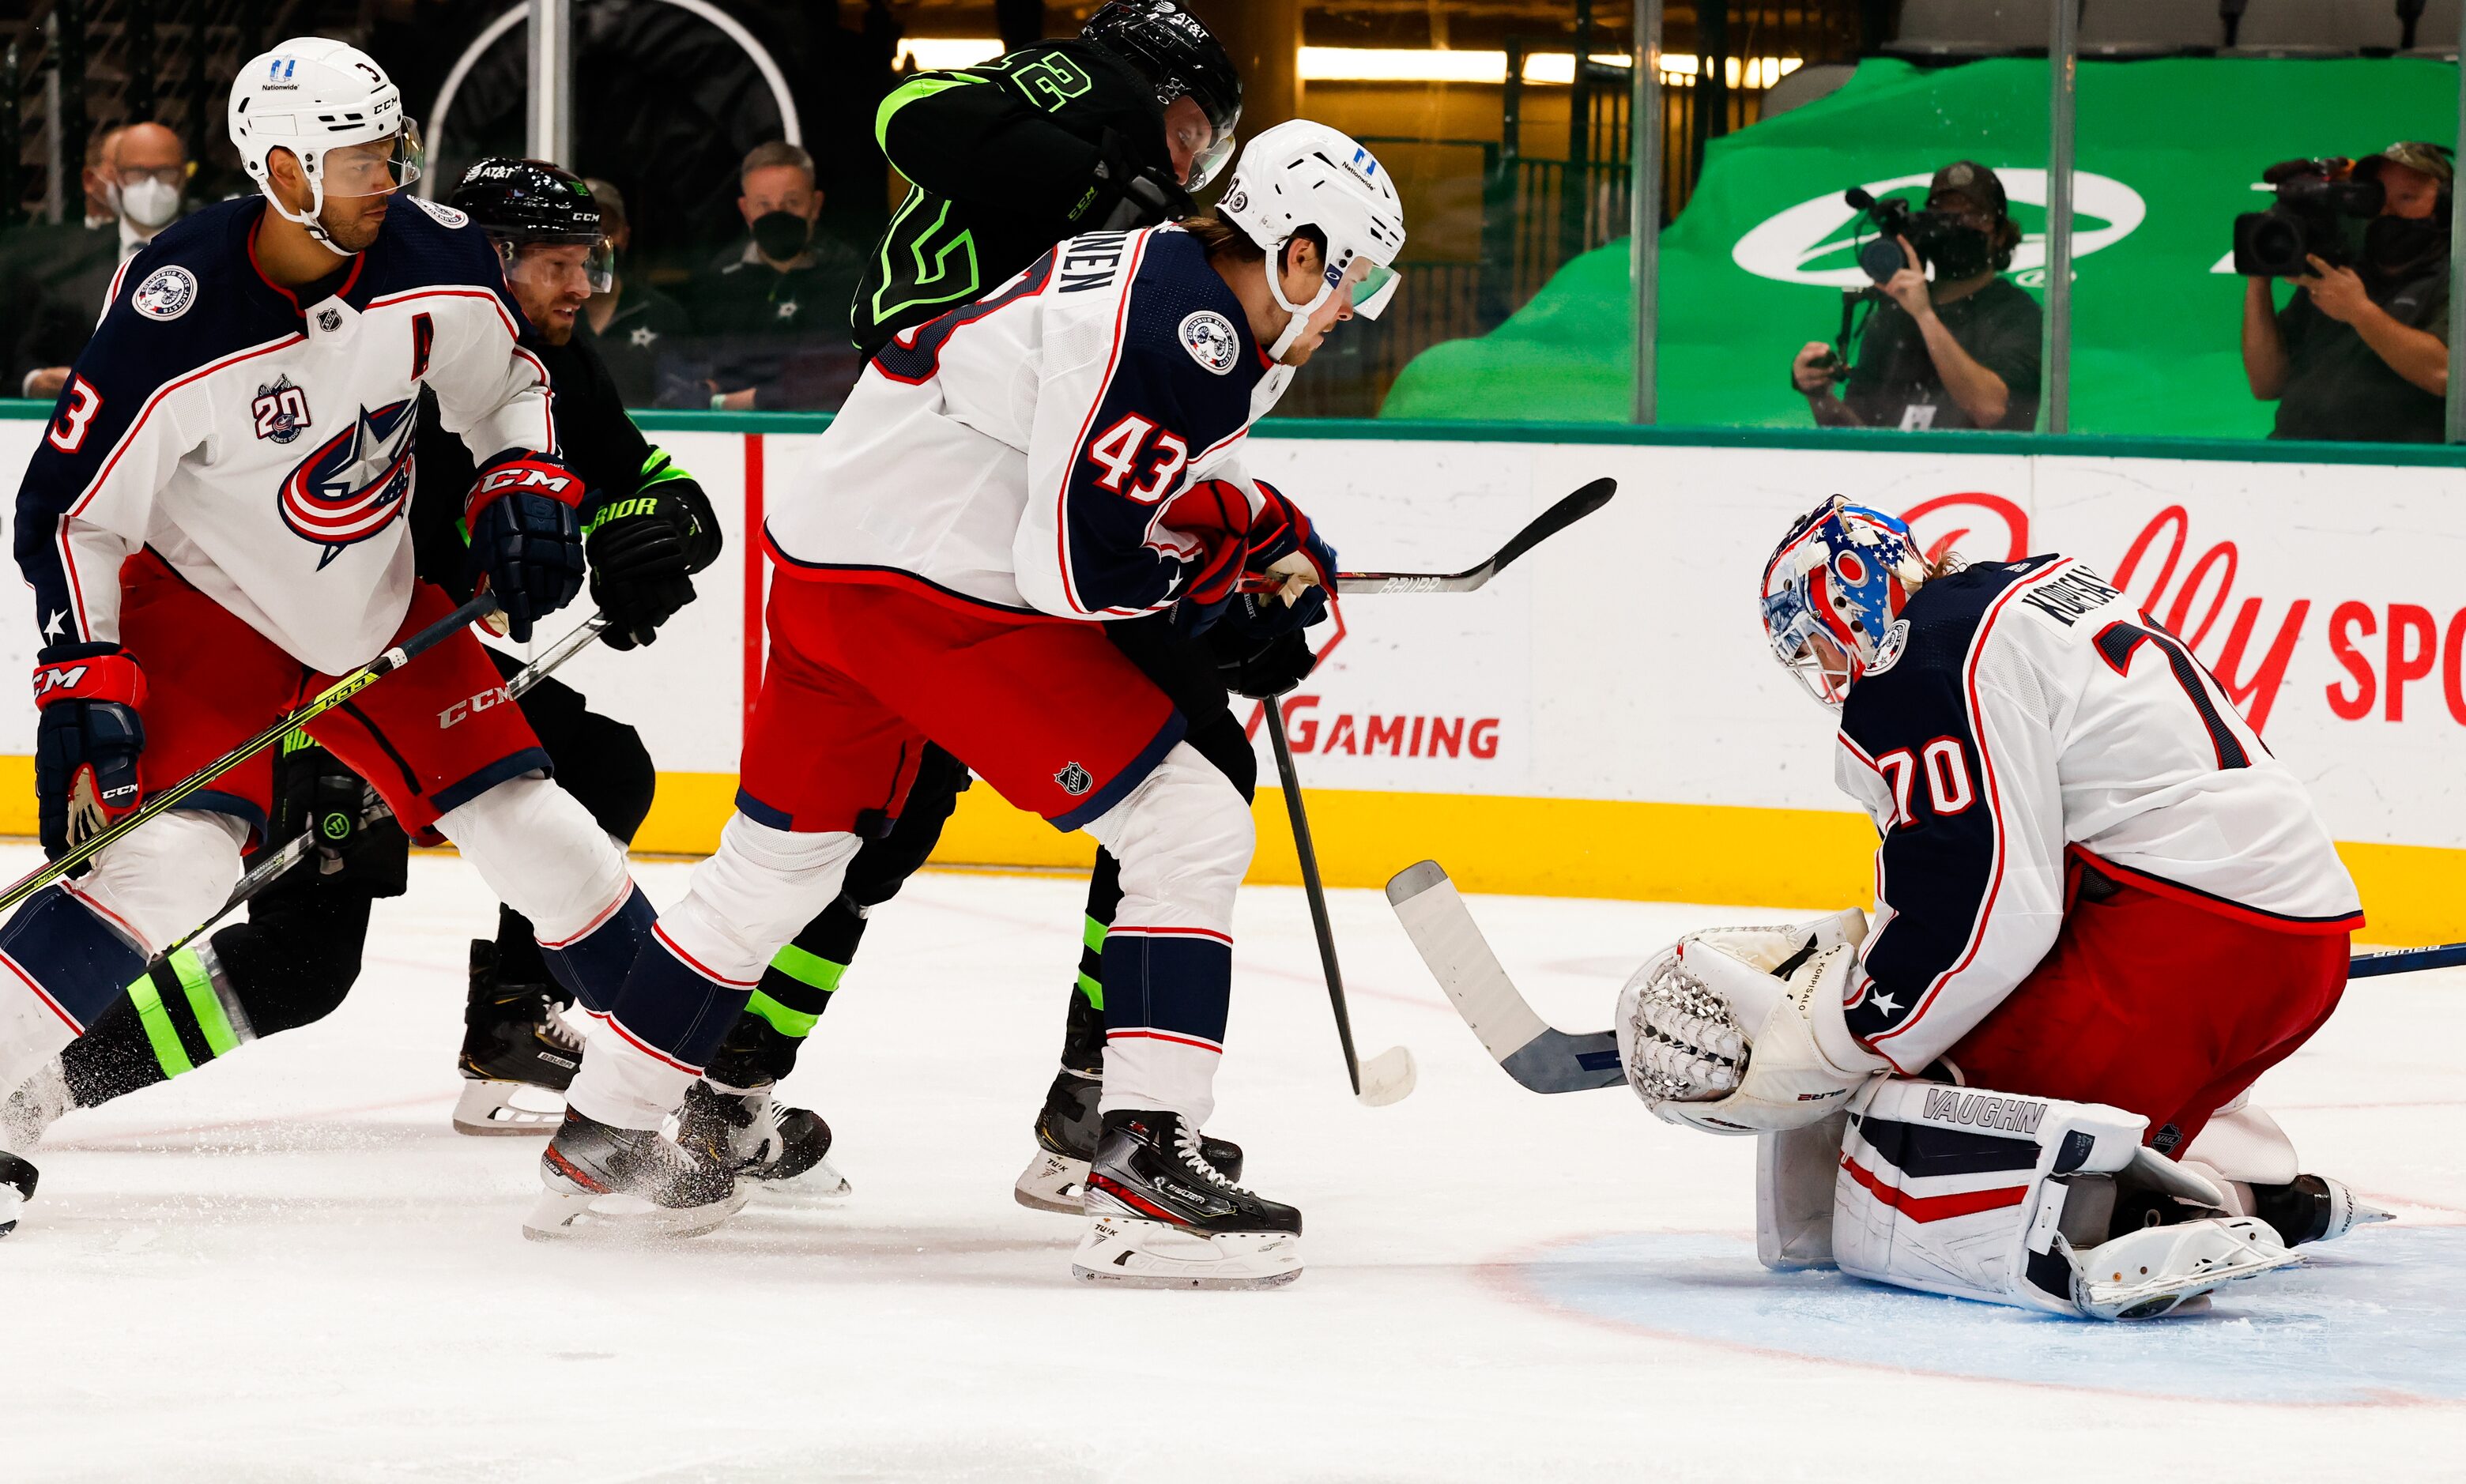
(1960, 350)
(2360, 353)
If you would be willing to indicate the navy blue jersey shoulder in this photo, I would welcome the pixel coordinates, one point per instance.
(1913, 722)
(415, 250)
(1183, 323)
(204, 300)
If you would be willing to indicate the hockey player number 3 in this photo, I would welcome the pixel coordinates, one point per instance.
(1947, 767)
(68, 429)
(1118, 449)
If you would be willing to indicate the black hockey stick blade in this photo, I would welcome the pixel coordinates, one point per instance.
(1531, 1051)
(1548, 524)
(2405, 960)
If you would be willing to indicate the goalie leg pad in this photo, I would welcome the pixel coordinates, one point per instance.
(2008, 1200)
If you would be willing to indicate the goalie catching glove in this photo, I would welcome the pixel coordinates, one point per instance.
(526, 540)
(87, 741)
(1739, 1031)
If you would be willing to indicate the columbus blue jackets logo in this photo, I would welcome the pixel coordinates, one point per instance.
(166, 293)
(1209, 338)
(356, 483)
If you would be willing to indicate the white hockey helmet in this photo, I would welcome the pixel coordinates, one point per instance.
(311, 95)
(1304, 174)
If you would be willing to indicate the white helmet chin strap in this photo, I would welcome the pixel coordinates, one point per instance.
(316, 206)
(1274, 266)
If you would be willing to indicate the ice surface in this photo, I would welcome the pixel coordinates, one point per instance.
(288, 1267)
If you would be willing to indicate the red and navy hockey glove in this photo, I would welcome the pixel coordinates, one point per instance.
(1280, 532)
(87, 741)
(1217, 514)
(525, 539)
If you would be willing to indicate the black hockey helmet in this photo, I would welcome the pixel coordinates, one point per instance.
(519, 203)
(1168, 46)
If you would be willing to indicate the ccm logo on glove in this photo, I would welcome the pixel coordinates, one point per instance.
(111, 677)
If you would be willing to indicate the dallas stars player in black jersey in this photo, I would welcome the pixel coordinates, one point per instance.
(1111, 129)
(298, 954)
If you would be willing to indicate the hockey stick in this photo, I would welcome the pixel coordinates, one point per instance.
(1548, 524)
(1530, 1049)
(326, 700)
(2405, 960)
(1388, 1076)
(274, 865)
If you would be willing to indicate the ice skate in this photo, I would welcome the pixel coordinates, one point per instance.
(1056, 1178)
(34, 1108)
(518, 1055)
(1161, 1216)
(2313, 1208)
(611, 1181)
(778, 1151)
(17, 1179)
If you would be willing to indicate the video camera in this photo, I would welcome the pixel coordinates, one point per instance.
(1934, 236)
(2315, 201)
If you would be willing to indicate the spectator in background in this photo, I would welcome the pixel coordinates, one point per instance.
(34, 255)
(144, 176)
(632, 325)
(775, 320)
(2362, 353)
(1958, 350)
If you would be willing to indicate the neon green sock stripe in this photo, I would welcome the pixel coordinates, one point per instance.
(1094, 992)
(157, 1022)
(1093, 935)
(794, 1024)
(202, 1001)
(809, 968)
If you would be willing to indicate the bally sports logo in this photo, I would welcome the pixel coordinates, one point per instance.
(355, 483)
(1814, 241)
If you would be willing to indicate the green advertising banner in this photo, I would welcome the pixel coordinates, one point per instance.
(2168, 153)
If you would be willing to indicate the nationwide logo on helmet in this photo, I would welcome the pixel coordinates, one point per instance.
(355, 483)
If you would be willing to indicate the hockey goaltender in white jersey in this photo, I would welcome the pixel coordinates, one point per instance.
(2102, 910)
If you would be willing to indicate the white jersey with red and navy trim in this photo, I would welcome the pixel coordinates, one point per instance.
(2023, 712)
(1029, 450)
(263, 447)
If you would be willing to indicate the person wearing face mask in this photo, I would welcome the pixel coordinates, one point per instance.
(1950, 343)
(629, 325)
(774, 319)
(142, 180)
(2360, 352)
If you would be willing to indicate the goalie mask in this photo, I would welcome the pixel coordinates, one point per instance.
(1833, 593)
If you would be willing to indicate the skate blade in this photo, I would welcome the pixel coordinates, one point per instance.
(820, 1185)
(489, 1108)
(1134, 1253)
(1052, 1183)
(580, 1215)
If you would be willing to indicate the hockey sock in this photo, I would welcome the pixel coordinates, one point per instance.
(181, 1013)
(795, 989)
(602, 955)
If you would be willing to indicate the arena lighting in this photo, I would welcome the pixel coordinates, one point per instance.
(1401, 64)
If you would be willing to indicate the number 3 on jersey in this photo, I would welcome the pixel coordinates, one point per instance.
(1116, 451)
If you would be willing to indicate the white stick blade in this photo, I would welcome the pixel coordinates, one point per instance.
(1442, 927)
(1389, 1077)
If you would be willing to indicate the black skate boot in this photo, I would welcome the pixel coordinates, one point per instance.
(777, 1150)
(518, 1055)
(1161, 1216)
(618, 1182)
(17, 1179)
(2313, 1208)
(1066, 1127)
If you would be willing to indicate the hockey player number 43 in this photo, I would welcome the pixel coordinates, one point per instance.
(1118, 451)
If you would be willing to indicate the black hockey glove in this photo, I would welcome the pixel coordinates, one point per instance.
(526, 540)
(356, 842)
(1259, 671)
(1131, 193)
(640, 565)
(87, 741)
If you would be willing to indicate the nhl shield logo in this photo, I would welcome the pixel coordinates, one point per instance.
(165, 294)
(1074, 779)
(1209, 338)
(355, 482)
(329, 320)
